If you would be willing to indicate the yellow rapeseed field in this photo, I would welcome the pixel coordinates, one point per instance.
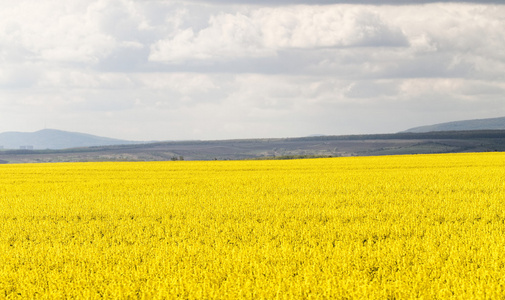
(422, 226)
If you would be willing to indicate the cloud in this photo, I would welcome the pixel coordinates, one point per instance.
(66, 36)
(205, 70)
(265, 32)
(342, 40)
(333, 2)
(437, 40)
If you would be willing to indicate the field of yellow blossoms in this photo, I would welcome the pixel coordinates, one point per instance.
(422, 226)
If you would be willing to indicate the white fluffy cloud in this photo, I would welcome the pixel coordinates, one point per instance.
(51, 31)
(182, 70)
(264, 32)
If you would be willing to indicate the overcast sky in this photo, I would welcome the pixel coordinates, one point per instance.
(219, 69)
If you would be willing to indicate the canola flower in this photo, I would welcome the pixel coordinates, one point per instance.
(397, 227)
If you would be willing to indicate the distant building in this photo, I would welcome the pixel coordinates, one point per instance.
(29, 147)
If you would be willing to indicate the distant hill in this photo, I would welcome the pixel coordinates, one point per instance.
(478, 124)
(54, 139)
(283, 148)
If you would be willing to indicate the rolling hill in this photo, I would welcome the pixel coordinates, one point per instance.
(465, 125)
(281, 148)
(54, 139)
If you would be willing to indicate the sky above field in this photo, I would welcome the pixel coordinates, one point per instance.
(178, 70)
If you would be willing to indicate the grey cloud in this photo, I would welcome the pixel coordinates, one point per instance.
(371, 89)
(347, 63)
(434, 66)
(116, 20)
(125, 59)
(324, 2)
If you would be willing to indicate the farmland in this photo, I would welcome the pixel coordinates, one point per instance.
(279, 148)
(430, 226)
